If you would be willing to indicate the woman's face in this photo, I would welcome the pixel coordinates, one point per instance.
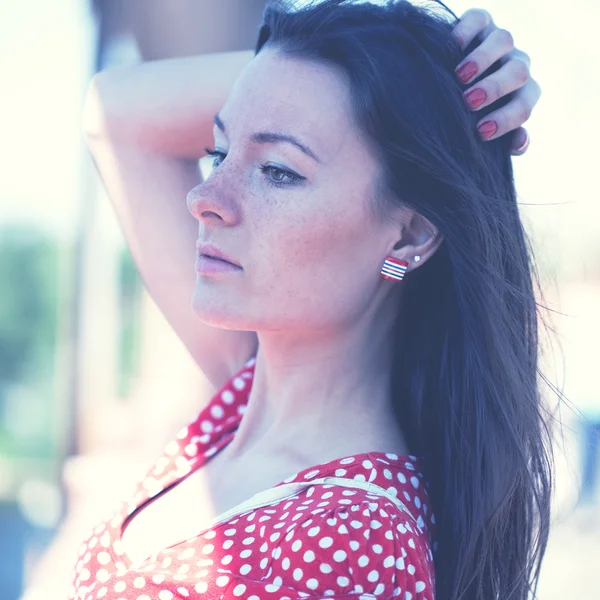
(299, 222)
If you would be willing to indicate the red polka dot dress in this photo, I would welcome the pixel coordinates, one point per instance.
(324, 541)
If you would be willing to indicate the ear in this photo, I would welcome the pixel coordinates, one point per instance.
(418, 237)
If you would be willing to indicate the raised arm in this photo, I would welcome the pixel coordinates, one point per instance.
(147, 126)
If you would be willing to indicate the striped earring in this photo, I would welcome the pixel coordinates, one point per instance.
(394, 268)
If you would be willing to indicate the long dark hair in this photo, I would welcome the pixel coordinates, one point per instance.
(466, 372)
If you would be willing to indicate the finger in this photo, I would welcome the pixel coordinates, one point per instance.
(508, 78)
(516, 53)
(471, 24)
(520, 142)
(494, 47)
(513, 114)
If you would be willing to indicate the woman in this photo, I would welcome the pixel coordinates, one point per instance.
(366, 314)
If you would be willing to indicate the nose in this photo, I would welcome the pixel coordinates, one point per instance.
(210, 202)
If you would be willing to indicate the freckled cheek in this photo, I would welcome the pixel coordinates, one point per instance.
(311, 245)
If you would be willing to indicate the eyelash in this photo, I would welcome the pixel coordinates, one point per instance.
(264, 168)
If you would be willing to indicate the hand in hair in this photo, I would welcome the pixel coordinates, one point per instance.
(512, 76)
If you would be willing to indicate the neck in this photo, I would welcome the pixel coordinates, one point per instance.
(320, 397)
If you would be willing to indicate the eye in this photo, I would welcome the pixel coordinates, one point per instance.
(280, 177)
(276, 176)
(216, 154)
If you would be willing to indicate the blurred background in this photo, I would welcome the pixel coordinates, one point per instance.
(92, 381)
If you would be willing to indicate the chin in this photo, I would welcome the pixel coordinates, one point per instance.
(217, 312)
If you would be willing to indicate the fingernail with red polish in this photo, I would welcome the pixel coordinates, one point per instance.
(476, 97)
(488, 128)
(467, 71)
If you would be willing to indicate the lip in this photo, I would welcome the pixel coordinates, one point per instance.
(205, 265)
(214, 252)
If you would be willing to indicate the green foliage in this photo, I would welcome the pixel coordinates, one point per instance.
(28, 301)
(130, 287)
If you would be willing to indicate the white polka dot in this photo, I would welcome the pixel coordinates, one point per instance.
(183, 591)
(379, 589)
(201, 587)
(227, 396)
(367, 464)
(407, 596)
(401, 478)
(419, 586)
(312, 584)
(347, 461)
(222, 581)
(172, 448)
(326, 542)
(217, 411)
(343, 581)
(311, 474)
(158, 578)
(191, 449)
(139, 582)
(377, 548)
(297, 574)
(373, 576)
(296, 545)
(339, 556)
(411, 569)
(165, 595)
(354, 544)
(389, 561)
(102, 575)
(309, 556)
(325, 568)
(239, 383)
(143, 597)
(205, 562)
(363, 561)
(271, 588)
(313, 531)
(120, 586)
(102, 592)
(238, 590)
(207, 549)
(227, 559)
(245, 569)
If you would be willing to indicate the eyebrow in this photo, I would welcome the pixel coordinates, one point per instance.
(269, 137)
